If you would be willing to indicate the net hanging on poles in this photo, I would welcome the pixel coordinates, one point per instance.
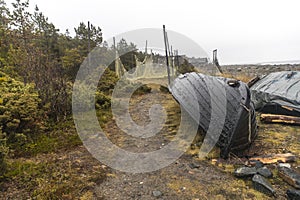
(146, 69)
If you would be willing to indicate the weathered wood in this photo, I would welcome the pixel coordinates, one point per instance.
(253, 81)
(216, 62)
(167, 53)
(290, 176)
(270, 118)
(275, 158)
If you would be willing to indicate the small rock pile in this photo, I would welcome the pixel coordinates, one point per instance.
(260, 175)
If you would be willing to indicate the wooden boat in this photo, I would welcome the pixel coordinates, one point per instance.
(225, 97)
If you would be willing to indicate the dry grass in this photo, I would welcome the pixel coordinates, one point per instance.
(242, 77)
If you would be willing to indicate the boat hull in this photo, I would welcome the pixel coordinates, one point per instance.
(216, 98)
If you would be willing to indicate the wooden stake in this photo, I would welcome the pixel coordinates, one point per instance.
(167, 56)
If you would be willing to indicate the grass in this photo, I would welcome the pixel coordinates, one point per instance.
(54, 178)
(54, 165)
(242, 77)
(61, 136)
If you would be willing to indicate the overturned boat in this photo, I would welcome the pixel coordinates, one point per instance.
(278, 93)
(216, 98)
(222, 107)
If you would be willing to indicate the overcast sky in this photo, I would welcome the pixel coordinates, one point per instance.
(243, 31)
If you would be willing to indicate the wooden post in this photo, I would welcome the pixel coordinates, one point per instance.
(89, 35)
(146, 48)
(215, 61)
(167, 57)
(114, 40)
(89, 46)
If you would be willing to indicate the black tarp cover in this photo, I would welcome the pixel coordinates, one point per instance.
(278, 93)
(230, 98)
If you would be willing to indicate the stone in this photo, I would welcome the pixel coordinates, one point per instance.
(287, 165)
(293, 194)
(256, 163)
(259, 164)
(245, 171)
(263, 185)
(157, 193)
(194, 165)
(264, 171)
(290, 176)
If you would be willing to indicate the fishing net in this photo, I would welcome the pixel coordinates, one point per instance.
(146, 69)
(119, 67)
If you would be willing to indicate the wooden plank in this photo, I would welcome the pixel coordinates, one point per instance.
(253, 81)
(275, 158)
(270, 118)
(290, 176)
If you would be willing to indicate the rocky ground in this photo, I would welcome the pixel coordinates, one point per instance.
(187, 178)
(250, 70)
